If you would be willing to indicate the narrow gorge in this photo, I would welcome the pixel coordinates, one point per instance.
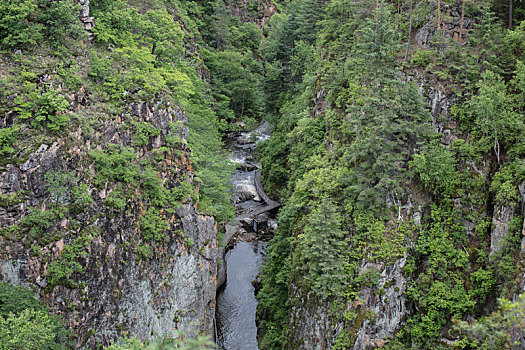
(245, 240)
(262, 174)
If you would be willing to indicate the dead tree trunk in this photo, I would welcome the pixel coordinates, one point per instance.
(409, 30)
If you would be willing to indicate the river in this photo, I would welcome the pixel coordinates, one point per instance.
(236, 303)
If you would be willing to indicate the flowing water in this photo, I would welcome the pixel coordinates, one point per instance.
(236, 303)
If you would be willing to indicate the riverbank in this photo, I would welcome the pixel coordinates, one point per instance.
(243, 244)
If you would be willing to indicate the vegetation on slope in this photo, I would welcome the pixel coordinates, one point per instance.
(353, 143)
(351, 127)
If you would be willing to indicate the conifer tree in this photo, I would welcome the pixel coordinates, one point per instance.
(323, 250)
(389, 119)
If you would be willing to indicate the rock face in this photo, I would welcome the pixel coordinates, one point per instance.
(380, 310)
(244, 10)
(377, 315)
(89, 22)
(310, 327)
(389, 305)
(114, 280)
(455, 27)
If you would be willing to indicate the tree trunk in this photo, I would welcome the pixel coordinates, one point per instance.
(397, 15)
(496, 145)
(218, 30)
(439, 15)
(462, 21)
(510, 14)
(409, 31)
(243, 93)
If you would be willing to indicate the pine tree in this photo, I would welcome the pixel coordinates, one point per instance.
(221, 23)
(389, 120)
(323, 250)
(308, 15)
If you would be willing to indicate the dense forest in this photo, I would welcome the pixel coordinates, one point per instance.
(398, 154)
(398, 150)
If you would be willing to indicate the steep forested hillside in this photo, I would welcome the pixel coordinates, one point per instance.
(398, 153)
(111, 158)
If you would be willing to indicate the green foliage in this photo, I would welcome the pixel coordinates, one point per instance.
(273, 308)
(148, 63)
(14, 300)
(322, 251)
(181, 192)
(502, 261)
(44, 109)
(143, 132)
(382, 243)
(435, 168)
(8, 137)
(212, 168)
(153, 226)
(119, 165)
(66, 189)
(116, 199)
(146, 60)
(31, 329)
(38, 223)
(60, 20)
(235, 84)
(26, 23)
(439, 290)
(198, 342)
(505, 182)
(421, 58)
(63, 270)
(59, 185)
(116, 164)
(15, 29)
(498, 125)
(365, 130)
(25, 323)
(503, 329)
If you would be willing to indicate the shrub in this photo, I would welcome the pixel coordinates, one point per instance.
(25, 23)
(45, 109)
(422, 58)
(61, 271)
(143, 132)
(15, 29)
(25, 323)
(152, 226)
(8, 137)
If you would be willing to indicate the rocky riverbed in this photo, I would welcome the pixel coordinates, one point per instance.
(244, 244)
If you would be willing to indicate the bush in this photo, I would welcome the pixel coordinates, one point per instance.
(422, 58)
(25, 323)
(45, 109)
(61, 271)
(435, 167)
(31, 329)
(25, 23)
(15, 29)
(153, 227)
(7, 139)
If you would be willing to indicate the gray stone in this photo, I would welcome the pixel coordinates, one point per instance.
(14, 272)
(118, 289)
(41, 281)
(500, 221)
(424, 35)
